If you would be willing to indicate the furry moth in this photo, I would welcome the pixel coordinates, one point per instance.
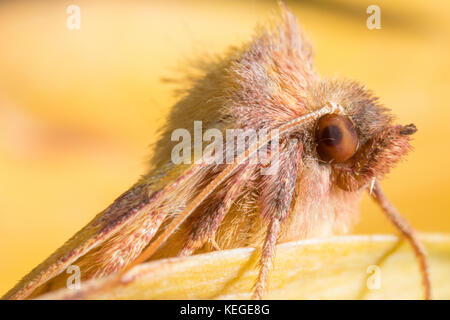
(334, 142)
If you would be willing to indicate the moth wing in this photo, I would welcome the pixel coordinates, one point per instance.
(138, 200)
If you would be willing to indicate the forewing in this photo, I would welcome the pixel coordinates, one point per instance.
(140, 200)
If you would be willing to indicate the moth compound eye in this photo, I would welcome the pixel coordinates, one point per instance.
(336, 137)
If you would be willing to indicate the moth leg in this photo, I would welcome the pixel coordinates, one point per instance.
(214, 244)
(277, 191)
(203, 231)
(266, 261)
(205, 228)
(408, 232)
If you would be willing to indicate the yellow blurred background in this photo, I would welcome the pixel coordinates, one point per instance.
(79, 108)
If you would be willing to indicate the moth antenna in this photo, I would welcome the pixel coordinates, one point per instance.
(213, 185)
(408, 232)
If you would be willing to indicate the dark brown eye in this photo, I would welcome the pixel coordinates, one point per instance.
(337, 139)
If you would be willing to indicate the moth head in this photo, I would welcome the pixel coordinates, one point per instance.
(363, 143)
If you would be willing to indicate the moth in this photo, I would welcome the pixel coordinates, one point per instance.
(327, 141)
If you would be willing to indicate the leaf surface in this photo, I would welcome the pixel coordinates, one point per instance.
(346, 267)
